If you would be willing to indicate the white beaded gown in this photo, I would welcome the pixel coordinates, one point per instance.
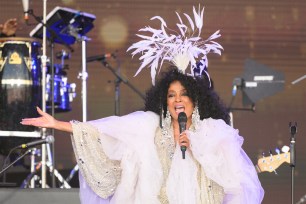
(131, 160)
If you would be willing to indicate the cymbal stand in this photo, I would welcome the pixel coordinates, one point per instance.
(33, 153)
(44, 68)
(82, 75)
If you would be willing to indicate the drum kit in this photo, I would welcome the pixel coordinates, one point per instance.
(23, 86)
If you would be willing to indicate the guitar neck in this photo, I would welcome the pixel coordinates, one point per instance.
(271, 163)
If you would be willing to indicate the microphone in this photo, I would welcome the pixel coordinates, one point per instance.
(100, 57)
(25, 4)
(238, 83)
(182, 120)
(49, 139)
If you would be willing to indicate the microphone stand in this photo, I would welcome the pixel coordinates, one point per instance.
(293, 130)
(230, 109)
(117, 84)
(16, 160)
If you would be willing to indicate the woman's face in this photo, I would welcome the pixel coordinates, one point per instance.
(178, 101)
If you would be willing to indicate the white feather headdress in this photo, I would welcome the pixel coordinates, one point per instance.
(180, 49)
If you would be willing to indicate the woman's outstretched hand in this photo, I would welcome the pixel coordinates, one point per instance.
(47, 121)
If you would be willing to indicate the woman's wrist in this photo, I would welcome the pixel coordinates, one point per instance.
(63, 126)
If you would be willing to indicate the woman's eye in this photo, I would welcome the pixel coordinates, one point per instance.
(170, 95)
(184, 94)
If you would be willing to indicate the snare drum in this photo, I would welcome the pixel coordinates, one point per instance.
(20, 86)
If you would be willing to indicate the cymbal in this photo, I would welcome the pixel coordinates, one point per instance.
(24, 39)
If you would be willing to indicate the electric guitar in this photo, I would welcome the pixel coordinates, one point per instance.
(272, 162)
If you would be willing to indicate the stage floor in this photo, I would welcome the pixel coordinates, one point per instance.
(39, 196)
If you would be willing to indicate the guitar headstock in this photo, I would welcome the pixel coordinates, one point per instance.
(272, 162)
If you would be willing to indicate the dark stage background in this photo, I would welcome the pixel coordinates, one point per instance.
(270, 32)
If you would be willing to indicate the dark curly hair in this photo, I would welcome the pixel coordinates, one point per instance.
(198, 90)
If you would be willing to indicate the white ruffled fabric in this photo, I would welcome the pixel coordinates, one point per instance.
(182, 183)
(215, 145)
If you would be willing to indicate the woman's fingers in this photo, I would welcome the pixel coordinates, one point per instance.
(39, 110)
(27, 121)
(38, 122)
(183, 140)
(44, 121)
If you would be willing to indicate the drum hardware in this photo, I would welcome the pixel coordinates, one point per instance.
(33, 180)
(70, 26)
(63, 92)
(46, 29)
(59, 24)
(63, 55)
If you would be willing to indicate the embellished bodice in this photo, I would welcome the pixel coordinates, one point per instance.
(165, 146)
(210, 192)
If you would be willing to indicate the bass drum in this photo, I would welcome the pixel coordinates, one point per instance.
(20, 90)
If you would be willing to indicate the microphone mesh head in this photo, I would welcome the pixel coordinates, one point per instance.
(182, 117)
(50, 139)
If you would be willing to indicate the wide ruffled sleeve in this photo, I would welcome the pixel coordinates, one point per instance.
(121, 151)
(101, 174)
(217, 147)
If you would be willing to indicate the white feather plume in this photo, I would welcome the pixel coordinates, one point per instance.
(180, 49)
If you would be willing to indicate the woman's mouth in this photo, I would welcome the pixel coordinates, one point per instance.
(179, 108)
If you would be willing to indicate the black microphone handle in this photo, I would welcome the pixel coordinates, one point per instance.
(182, 126)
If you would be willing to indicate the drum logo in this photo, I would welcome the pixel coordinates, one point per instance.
(15, 58)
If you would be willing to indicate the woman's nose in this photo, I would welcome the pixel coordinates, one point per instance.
(178, 98)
